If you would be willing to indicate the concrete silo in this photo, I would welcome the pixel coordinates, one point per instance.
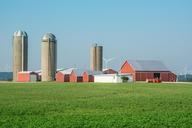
(96, 58)
(20, 53)
(48, 57)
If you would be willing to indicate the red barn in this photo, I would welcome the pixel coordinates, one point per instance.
(87, 77)
(76, 76)
(81, 75)
(141, 70)
(69, 75)
(27, 76)
(64, 75)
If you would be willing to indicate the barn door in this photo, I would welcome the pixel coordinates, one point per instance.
(157, 75)
(33, 78)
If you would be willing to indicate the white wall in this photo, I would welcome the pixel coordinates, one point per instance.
(107, 78)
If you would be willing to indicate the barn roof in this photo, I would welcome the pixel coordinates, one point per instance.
(28, 72)
(109, 71)
(148, 65)
(94, 72)
(67, 71)
(79, 72)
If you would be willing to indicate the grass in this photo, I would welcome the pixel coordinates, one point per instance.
(59, 105)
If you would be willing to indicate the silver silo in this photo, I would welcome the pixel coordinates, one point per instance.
(20, 52)
(48, 57)
(96, 58)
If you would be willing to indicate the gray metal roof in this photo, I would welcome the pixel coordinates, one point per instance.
(49, 36)
(148, 65)
(20, 33)
(79, 72)
(94, 72)
(67, 71)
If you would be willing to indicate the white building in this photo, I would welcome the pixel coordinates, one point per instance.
(111, 78)
(107, 78)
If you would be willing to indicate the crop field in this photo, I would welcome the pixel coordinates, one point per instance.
(89, 105)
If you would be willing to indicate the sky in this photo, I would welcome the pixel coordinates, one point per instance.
(127, 29)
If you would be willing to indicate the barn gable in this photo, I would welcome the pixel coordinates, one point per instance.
(67, 71)
(126, 68)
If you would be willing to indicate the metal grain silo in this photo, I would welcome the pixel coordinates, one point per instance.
(20, 53)
(48, 57)
(96, 58)
(93, 58)
(99, 58)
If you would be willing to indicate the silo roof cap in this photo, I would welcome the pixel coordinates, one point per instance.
(20, 33)
(49, 36)
(96, 45)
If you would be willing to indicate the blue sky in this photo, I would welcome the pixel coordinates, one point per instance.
(128, 29)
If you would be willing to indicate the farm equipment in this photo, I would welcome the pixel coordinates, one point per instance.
(155, 80)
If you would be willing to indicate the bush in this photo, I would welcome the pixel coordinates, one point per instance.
(125, 79)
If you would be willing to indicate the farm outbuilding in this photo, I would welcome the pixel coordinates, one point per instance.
(107, 78)
(38, 72)
(88, 76)
(76, 75)
(64, 75)
(142, 70)
(109, 71)
(69, 75)
(27, 76)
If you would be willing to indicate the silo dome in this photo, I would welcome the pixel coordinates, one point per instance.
(20, 33)
(49, 36)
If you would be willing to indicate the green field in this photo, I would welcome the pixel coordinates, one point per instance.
(53, 105)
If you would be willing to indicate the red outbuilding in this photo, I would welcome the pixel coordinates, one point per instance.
(142, 70)
(69, 75)
(27, 76)
(63, 75)
(76, 75)
(87, 77)
(82, 75)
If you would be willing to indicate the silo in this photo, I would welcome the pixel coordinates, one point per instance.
(20, 52)
(99, 58)
(48, 57)
(93, 58)
(96, 56)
